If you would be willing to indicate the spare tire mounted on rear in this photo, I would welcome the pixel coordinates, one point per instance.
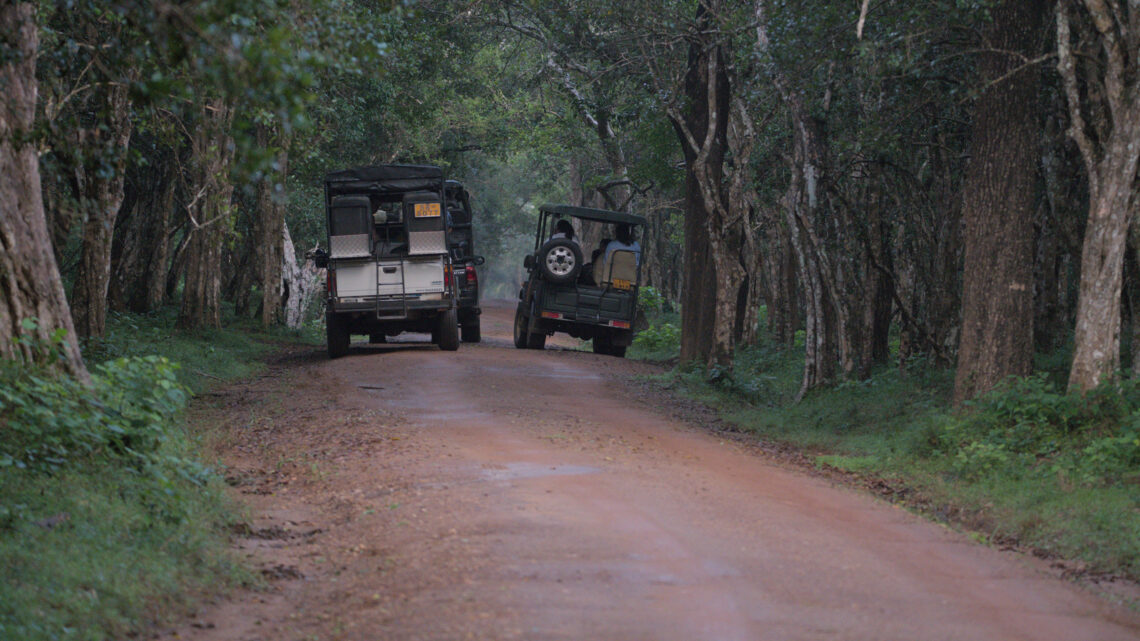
(560, 260)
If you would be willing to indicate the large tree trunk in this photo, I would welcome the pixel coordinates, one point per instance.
(99, 178)
(698, 303)
(1104, 112)
(30, 286)
(209, 213)
(997, 290)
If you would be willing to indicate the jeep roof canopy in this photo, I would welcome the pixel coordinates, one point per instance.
(588, 213)
(384, 179)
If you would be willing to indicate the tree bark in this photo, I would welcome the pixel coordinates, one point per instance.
(698, 305)
(99, 176)
(30, 286)
(270, 223)
(209, 213)
(299, 283)
(998, 199)
(1104, 113)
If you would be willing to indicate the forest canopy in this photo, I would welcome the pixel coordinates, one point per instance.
(868, 182)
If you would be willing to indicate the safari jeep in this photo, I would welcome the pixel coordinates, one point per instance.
(389, 267)
(563, 293)
(461, 241)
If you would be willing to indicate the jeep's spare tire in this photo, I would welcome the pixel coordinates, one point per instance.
(560, 260)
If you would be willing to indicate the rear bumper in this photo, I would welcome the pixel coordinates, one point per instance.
(388, 306)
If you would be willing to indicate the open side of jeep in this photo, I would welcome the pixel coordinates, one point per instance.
(389, 268)
(461, 242)
(558, 296)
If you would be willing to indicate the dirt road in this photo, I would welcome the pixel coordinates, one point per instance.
(407, 493)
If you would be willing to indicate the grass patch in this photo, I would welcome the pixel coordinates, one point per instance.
(109, 520)
(1027, 464)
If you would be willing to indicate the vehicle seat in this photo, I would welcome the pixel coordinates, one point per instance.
(350, 227)
(621, 265)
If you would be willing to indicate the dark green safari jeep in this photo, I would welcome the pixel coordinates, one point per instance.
(586, 295)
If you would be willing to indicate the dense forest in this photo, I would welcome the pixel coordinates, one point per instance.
(959, 175)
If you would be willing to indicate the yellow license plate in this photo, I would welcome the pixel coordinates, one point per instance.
(621, 283)
(427, 210)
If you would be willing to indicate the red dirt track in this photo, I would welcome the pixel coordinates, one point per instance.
(407, 493)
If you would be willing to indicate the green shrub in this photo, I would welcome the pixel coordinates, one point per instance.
(659, 338)
(1093, 438)
(51, 420)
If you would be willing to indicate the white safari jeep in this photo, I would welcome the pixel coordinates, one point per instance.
(389, 270)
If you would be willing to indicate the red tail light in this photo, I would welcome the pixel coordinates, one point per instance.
(447, 276)
(472, 276)
(330, 281)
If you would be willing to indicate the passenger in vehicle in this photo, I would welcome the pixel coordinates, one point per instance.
(563, 229)
(625, 240)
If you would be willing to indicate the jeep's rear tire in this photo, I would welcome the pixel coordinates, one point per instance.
(604, 345)
(560, 260)
(336, 334)
(520, 328)
(470, 330)
(448, 331)
(536, 340)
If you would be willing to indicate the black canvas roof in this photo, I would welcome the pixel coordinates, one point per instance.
(384, 179)
(600, 215)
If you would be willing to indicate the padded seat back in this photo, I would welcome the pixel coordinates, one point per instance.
(622, 265)
(350, 227)
(424, 214)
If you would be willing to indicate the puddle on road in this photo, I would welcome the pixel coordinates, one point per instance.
(513, 471)
(543, 372)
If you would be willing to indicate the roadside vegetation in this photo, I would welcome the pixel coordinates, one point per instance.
(112, 518)
(1027, 464)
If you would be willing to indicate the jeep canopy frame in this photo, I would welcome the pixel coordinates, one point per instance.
(554, 212)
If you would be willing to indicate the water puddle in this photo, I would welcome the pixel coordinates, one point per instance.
(512, 471)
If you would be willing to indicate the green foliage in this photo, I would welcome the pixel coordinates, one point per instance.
(661, 338)
(1029, 427)
(109, 522)
(51, 421)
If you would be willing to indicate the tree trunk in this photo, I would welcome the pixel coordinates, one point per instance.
(997, 290)
(151, 293)
(698, 304)
(30, 286)
(209, 213)
(1104, 115)
(270, 223)
(1097, 337)
(100, 190)
(299, 283)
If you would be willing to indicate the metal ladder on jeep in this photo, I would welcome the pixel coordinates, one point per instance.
(403, 292)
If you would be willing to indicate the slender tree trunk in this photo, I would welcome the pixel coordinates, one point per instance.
(151, 293)
(1104, 115)
(271, 222)
(30, 286)
(1097, 337)
(209, 213)
(101, 193)
(997, 289)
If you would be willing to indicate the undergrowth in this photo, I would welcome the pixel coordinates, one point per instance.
(109, 520)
